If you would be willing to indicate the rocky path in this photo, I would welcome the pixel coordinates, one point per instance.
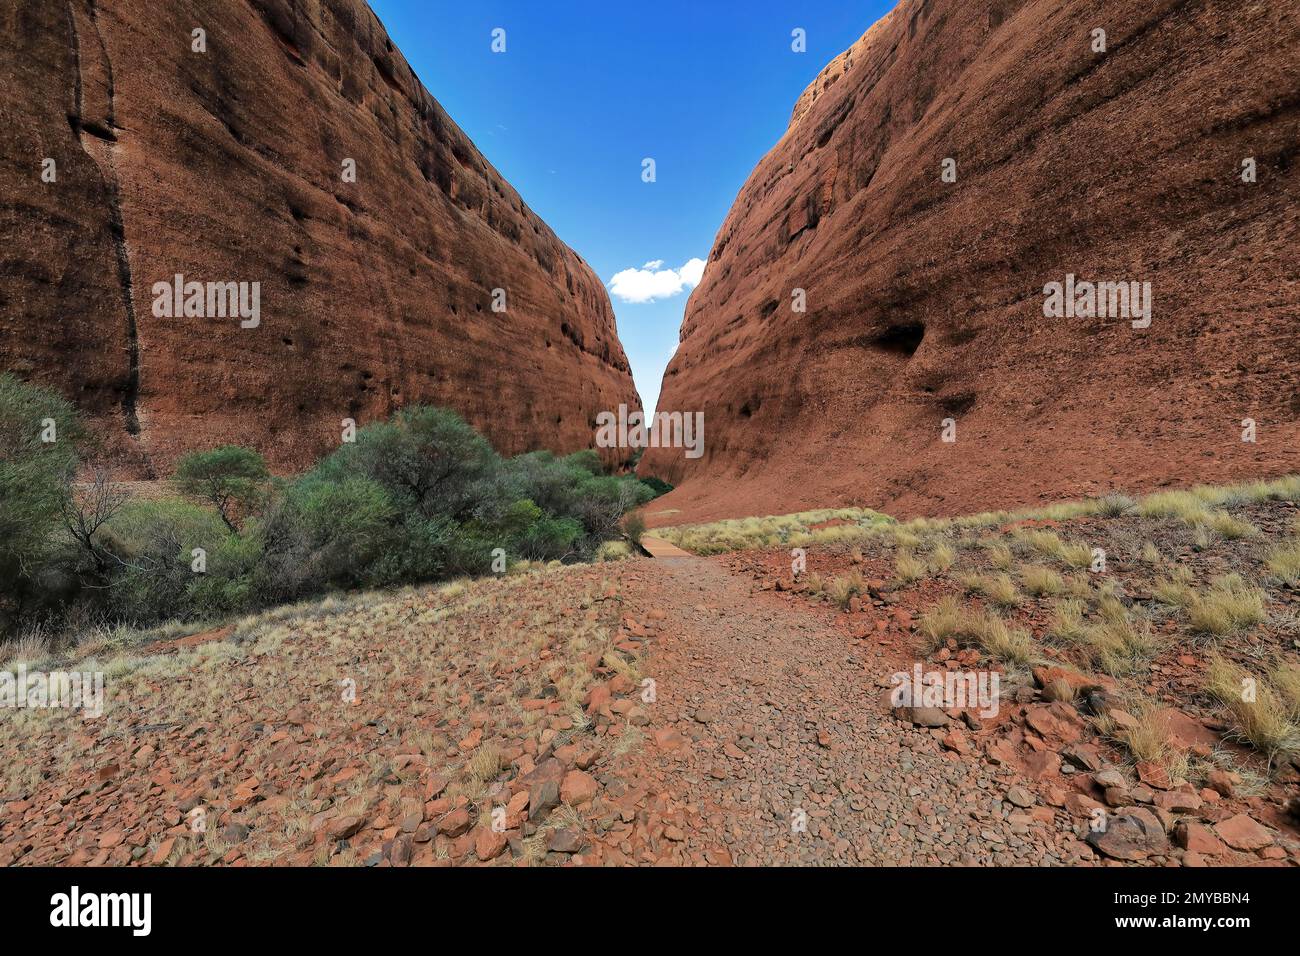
(770, 742)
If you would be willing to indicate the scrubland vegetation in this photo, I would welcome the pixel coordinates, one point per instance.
(421, 497)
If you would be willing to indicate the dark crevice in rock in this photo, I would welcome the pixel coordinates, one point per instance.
(101, 154)
(901, 338)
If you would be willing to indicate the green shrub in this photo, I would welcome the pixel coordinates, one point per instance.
(420, 497)
(427, 460)
(152, 570)
(232, 479)
(657, 485)
(35, 487)
(323, 534)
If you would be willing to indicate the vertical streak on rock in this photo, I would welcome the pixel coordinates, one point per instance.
(99, 143)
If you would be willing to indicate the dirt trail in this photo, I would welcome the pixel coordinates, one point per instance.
(762, 710)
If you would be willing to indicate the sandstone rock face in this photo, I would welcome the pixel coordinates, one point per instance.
(925, 298)
(229, 166)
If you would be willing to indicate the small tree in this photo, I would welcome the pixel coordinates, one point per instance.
(427, 459)
(87, 511)
(233, 479)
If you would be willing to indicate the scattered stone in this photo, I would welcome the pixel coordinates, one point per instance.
(1242, 832)
(564, 840)
(578, 788)
(1198, 838)
(1132, 835)
(1224, 782)
(924, 716)
(1178, 801)
(1110, 778)
(1153, 775)
(489, 843)
(1020, 797)
(455, 823)
(341, 828)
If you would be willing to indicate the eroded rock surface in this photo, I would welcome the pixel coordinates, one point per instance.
(228, 166)
(925, 298)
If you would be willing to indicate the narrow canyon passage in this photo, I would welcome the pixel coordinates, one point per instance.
(764, 717)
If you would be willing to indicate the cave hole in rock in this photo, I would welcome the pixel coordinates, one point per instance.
(900, 338)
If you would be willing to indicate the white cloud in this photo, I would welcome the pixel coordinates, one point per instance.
(692, 272)
(653, 282)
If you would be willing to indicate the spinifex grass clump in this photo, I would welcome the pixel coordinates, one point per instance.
(1230, 605)
(1283, 563)
(1263, 710)
(806, 528)
(949, 620)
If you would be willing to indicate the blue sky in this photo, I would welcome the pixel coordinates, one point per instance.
(587, 89)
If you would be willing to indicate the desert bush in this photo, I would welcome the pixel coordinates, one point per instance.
(35, 488)
(656, 485)
(152, 546)
(634, 528)
(427, 460)
(232, 479)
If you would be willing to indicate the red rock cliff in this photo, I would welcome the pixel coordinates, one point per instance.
(227, 166)
(925, 298)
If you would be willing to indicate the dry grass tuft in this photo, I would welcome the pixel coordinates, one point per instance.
(908, 568)
(1229, 606)
(1041, 581)
(948, 619)
(1113, 642)
(942, 557)
(1150, 740)
(1067, 624)
(1073, 554)
(1283, 562)
(1001, 590)
(1258, 712)
(842, 590)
